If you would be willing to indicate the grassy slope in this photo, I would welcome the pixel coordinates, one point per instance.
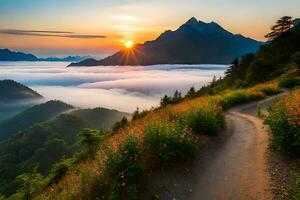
(75, 183)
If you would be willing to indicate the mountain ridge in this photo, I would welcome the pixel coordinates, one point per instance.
(194, 42)
(9, 55)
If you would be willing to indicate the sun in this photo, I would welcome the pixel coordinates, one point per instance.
(128, 44)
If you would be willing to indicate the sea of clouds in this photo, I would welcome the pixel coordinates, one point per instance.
(119, 87)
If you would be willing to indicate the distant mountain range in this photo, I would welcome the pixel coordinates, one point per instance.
(194, 42)
(8, 55)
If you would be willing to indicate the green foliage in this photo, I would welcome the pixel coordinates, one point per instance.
(259, 71)
(100, 118)
(289, 81)
(295, 192)
(91, 139)
(31, 183)
(125, 168)
(43, 144)
(284, 136)
(167, 100)
(191, 93)
(121, 124)
(2, 197)
(296, 58)
(168, 139)
(59, 170)
(138, 115)
(31, 116)
(270, 91)
(237, 97)
(206, 119)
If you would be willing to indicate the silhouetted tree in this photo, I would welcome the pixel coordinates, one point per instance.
(136, 113)
(166, 100)
(176, 97)
(121, 124)
(91, 139)
(282, 25)
(191, 93)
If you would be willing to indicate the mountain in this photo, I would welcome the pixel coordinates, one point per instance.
(46, 143)
(100, 118)
(195, 42)
(15, 97)
(11, 92)
(36, 114)
(8, 55)
(40, 145)
(65, 59)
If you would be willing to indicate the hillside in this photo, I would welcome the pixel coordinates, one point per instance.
(12, 91)
(195, 42)
(31, 116)
(15, 98)
(100, 118)
(170, 134)
(42, 144)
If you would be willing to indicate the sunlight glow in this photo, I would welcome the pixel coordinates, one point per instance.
(128, 44)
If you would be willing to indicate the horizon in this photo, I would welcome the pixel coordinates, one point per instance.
(47, 30)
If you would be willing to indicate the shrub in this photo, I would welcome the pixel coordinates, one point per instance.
(295, 192)
(289, 81)
(121, 124)
(124, 167)
(168, 139)
(284, 121)
(296, 58)
(270, 91)
(58, 171)
(204, 118)
(238, 97)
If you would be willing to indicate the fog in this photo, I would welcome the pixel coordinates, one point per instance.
(119, 87)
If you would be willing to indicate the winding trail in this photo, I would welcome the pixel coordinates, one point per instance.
(232, 166)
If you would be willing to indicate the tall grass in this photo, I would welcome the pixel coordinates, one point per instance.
(167, 133)
(168, 139)
(284, 121)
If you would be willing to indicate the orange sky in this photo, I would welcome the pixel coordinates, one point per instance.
(121, 20)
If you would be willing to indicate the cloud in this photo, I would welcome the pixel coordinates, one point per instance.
(46, 33)
(119, 87)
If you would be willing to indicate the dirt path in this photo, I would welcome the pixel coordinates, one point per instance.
(232, 166)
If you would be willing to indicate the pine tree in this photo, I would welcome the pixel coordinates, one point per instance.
(191, 93)
(91, 139)
(282, 25)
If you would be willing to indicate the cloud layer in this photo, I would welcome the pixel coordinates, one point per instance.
(46, 33)
(122, 88)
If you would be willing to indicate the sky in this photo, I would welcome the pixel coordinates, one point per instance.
(100, 27)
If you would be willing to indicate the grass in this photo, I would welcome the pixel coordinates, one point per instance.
(169, 139)
(167, 133)
(289, 81)
(295, 190)
(284, 121)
